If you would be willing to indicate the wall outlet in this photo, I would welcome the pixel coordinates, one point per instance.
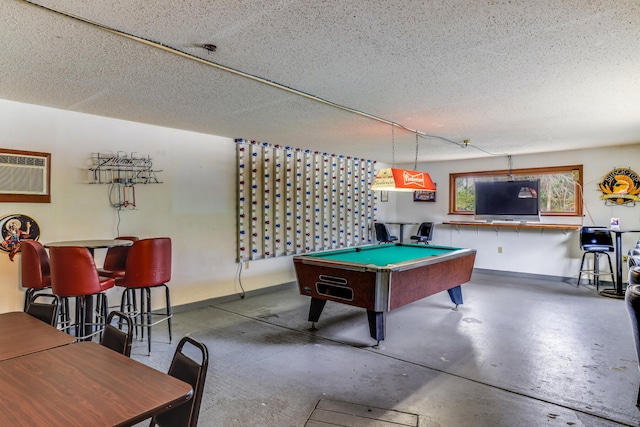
(499, 249)
(625, 258)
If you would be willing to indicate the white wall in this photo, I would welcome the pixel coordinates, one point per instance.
(546, 252)
(195, 205)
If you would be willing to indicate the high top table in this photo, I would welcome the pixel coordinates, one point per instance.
(21, 333)
(84, 384)
(401, 224)
(91, 244)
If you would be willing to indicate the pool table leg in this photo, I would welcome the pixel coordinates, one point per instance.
(315, 309)
(456, 295)
(376, 324)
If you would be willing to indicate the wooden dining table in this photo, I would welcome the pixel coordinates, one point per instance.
(21, 333)
(84, 384)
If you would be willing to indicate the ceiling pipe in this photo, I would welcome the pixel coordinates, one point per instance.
(237, 72)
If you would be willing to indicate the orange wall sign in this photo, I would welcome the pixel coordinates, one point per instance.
(620, 187)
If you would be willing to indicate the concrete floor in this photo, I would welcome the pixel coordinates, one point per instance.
(519, 352)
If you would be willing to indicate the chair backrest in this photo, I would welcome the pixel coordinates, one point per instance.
(35, 268)
(114, 337)
(116, 257)
(190, 371)
(596, 239)
(426, 230)
(632, 300)
(382, 233)
(633, 257)
(73, 271)
(634, 276)
(148, 263)
(45, 311)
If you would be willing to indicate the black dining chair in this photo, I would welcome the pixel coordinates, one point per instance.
(382, 233)
(115, 337)
(424, 234)
(633, 259)
(633, 255)
(632, 300)
(192, 372)
(46, 310)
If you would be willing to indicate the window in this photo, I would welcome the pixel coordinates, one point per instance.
(560, 189)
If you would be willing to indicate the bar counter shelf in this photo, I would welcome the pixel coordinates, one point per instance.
(514, 224)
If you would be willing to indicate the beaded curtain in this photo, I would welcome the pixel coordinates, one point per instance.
(293, 201)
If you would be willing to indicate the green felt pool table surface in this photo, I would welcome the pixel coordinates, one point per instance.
(383, 255)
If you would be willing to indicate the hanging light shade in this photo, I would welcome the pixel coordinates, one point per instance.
(393, 179)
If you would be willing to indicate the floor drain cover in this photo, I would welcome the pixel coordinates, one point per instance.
(335, 413)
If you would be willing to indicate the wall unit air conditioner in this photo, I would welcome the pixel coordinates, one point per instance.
(24, 176)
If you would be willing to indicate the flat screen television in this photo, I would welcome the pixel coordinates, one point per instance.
(508, 200)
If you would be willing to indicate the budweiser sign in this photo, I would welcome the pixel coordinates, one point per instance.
(413, 178)
(401, 179)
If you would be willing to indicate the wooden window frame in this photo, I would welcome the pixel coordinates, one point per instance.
(516, 172)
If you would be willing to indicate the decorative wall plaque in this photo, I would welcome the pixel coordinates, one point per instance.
(620, 187)
(16, 228)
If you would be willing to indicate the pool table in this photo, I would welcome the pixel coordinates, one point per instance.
(382, 277)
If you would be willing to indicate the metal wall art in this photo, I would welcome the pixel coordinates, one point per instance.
(293, 201)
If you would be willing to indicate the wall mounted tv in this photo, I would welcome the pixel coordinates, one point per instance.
(508, 200)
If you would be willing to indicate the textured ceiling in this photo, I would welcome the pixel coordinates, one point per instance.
(511, 76)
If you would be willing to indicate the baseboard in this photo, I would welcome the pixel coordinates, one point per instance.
(219, 300)
(532, 276)
(289, 285)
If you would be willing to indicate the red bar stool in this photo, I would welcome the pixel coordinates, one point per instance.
(115, 261)
(115, 264)
(74, 275)
(36, 276)
(35, 269)
(148, 267)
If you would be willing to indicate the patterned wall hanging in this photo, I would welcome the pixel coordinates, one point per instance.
(16, 228)
(293, 201)
(620, 187)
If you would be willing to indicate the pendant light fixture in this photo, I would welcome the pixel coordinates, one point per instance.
(395, 179)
